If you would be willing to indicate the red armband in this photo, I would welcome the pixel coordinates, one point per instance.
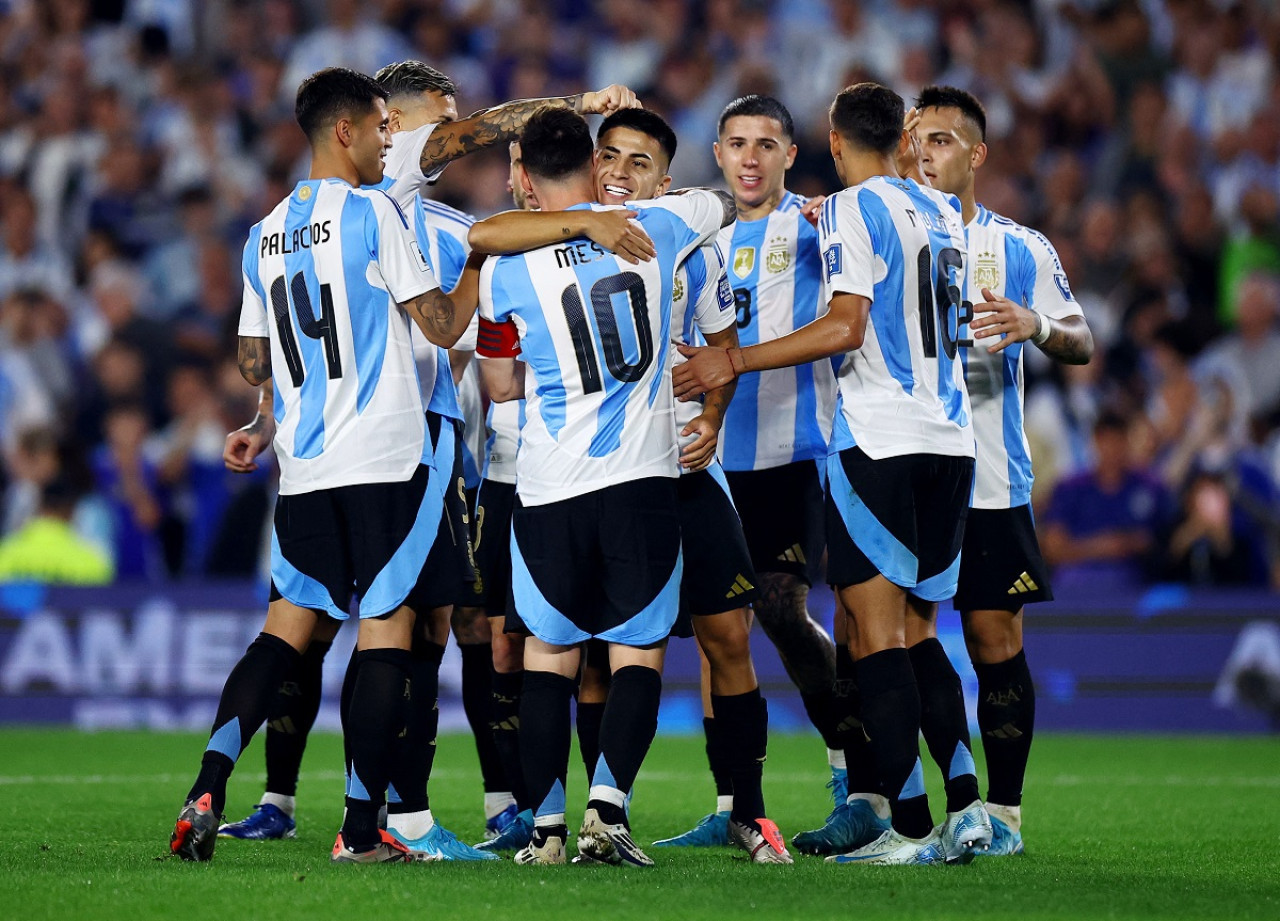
(497, 340)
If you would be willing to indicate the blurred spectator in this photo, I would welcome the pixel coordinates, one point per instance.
(1254, 248)
(48, 550)
(349, 37)
(25, 262)
(1214, 542)
(131, 485)
(1103, 525)
(1249, 356)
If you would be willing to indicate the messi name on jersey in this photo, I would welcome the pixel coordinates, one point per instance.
(275, 244)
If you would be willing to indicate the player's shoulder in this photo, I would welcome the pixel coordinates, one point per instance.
(446, 215)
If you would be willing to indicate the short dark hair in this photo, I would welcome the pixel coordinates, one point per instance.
(952, 97)
(869, 115)
(646, 122)
(333, 93)
(555, 143)
(756, 104)
(411, 78)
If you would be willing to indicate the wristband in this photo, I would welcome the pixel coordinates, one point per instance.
(1044, 329)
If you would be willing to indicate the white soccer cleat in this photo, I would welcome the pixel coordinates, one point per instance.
(609, 843)
(765, 845)
(892, 849)
(545, 848)
(966, 833)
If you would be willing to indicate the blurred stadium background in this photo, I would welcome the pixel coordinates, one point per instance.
(139, 139)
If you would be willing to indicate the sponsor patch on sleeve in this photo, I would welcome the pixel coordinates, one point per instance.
(724, 294)
(833, 259)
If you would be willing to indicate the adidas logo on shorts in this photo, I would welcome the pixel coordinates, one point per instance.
(740, 585)
(1024, 584)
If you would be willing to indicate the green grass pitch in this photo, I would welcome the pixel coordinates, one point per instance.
(1138, 827)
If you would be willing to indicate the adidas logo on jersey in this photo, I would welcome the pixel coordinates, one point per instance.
(740, 585)
(793, 554)
(1024, 584)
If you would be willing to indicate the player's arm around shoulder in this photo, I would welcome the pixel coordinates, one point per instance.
(521, 231)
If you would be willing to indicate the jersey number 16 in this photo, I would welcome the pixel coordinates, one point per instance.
(937, 290)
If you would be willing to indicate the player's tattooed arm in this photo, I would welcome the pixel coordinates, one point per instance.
(438, 317)
(1070, 341)
(503, 123)
(726, 202)
(254, 359)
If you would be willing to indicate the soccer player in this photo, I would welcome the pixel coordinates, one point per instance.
(1024, 297)
(426, 137)
(776, 429)
(900, 465)
(634, 149)
(595, 535)
(361, 465)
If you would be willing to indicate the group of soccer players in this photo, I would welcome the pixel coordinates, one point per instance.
(699, 403)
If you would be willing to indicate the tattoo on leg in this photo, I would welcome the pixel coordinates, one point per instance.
(804, 647)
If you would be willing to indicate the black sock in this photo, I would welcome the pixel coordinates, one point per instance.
(344, 705)
(1006, 719)
(544, 739)
(415, 751)
(825, 714)
(743, 720)
(247, 698)
(297, 703)
(504, 721)
(628, 727)
(891, 716)
(943, 721)
(589, 716)
(860, 762)
(477, 695)
(380, 699)
(717, 757)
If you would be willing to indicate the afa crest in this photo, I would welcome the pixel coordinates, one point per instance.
(986, 271)
(304, 193)
(778, 257)
(677, 290)
(744, 261)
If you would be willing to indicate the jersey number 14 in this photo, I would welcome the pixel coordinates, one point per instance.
(322, 328)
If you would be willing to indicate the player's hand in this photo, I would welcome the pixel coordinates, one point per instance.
(909, 162)
(616, 232)
(698, 441)
(244, 445)
(609, 100)
(812, 209)
(706, 369)
(1002, 317)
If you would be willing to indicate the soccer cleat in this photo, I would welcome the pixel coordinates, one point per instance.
(764, 844)
(965, 833)
(839, 785)
(517, 835)
(849, 827)
(609, 843)
(712, 830)
(387, 850)
(267, 823)
(196, 831)
(1005, 842)
(494, 826)
(545, 847)
(440, 844)
(894, 850)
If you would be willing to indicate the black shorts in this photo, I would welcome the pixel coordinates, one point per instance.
(492, 540)
(899, 517)
(1001, 568)
(387, 543)
(604, 564)
(781, 512)
(718, 575)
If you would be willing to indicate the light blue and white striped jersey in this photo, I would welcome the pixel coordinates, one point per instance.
(702, 303)
(502, 424)
(333, 263)
(1018, 263)
(775, 269)
(595, 336)
(902, 247)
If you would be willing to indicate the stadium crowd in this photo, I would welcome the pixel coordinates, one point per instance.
(139, 139)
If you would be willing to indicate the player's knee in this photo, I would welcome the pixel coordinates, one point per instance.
(724, 640)
(992, 636)
(470, 626)
(508, 653)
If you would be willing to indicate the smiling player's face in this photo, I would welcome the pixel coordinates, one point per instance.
(754, 154)
(630, 166)
(371, 139)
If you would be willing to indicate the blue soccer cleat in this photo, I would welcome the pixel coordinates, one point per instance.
(516, 836)
(440, 844)
(266, 823)
(894, 850)
(712, 830)
(850, 826)
(497, 824)
(1005, 842)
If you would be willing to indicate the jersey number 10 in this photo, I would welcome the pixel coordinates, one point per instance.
(615, 358)
(323, 328)
(936, 289)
